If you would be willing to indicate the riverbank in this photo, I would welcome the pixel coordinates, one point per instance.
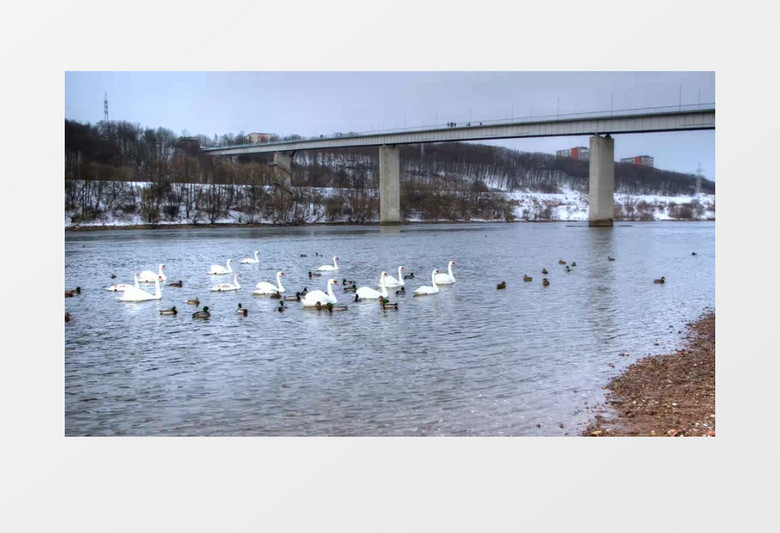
(666, 395)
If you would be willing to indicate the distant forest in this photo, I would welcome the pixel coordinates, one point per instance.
(449, 181)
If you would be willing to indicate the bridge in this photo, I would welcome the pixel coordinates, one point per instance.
(600, 126)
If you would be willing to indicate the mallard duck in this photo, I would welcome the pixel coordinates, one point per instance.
(113, 276)
(67, 316)
(662, 280)
(276, 295)
(281, 307)
(346, 282)
(357, 298)
(202, 314)
(241, 310)
(410, 275)
(350, 288)
(171, 311)
(694, 253)
(545, 282)
(501, 285)
(610, 258)
(527, 278)
(574, 263)
(385, 304)
(561, 262)
(71, 293)
(335, 307)
(179, 283)
(544, 271)
(400, 291)
(314, 274)
(193, 301)
(296, 298)
(304, 255)
(568, 269)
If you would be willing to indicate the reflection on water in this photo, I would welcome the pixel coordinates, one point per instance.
(527, 360)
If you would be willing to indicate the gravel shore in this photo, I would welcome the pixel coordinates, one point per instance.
(666, 395)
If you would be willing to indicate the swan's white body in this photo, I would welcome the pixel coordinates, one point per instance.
(218, 270)
(367, 293)
(425, 289)
(391, 282)
(148, 276)
(264, 287)
(249, 260)
(446, 279)
(133, 294)
(121, 287)
(223, 287)
(329, 268)
(312, 297)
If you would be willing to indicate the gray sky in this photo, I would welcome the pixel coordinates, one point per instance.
(314, 103)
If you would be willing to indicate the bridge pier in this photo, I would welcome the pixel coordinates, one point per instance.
(389, 185)
(282, 164)
(601, 208)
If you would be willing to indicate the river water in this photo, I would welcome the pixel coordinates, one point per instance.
(471, 360)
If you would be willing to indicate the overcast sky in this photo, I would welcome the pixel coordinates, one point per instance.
(314, 103)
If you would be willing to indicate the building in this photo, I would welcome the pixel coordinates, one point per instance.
(578, 152)
(259, 137)
(645, 160)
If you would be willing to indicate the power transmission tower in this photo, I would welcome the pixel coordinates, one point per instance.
(698, 180)
(105, 108)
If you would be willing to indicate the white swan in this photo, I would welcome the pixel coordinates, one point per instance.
(132, 294)
(391, 282)
(329, 268)
(249, 260)
(120, 287)
(367, 293)
(425, 289)
(446, 279)
(264, 287)
(222, 287)
(218, 270)
(312, 297)
(148, 276)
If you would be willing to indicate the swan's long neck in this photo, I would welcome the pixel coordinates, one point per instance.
(449, 270)
(229, 268)
(160, 271)
(433, 279)
(257, 258)
(382, 285)
(279, 282)
(235, 280)
(330, 289)
(400, 276)
(334, 262)
(135, 278)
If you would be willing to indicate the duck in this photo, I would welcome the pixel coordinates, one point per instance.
(544, 271)
(241, 310)
(71, 293)
(132, 294)
(266, 288)
(330, 268)
(219, 270)
(446, 279)
(313, 297)
(561, 262)
(67, 316)
(281, 307)
(391, 282)
(171, 311)
(179, 283)
(314, 274)
(148, 276)
(568, 269)
(249, 260)
(346, 281)
(350, 288)
(276, 296)
(609, 258)
(661, 280)
(367, 293)
(501, 285)
(400, 291)
(527, 278)
(113, 276)
(694, 253)
(224, 287)
(545, 282)
(385, 304)
(202, 314)
(426, 290)
(574, 263)
(335, 307)
(193, 301)
(304, 255)
(296, 298)
(410, 275)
